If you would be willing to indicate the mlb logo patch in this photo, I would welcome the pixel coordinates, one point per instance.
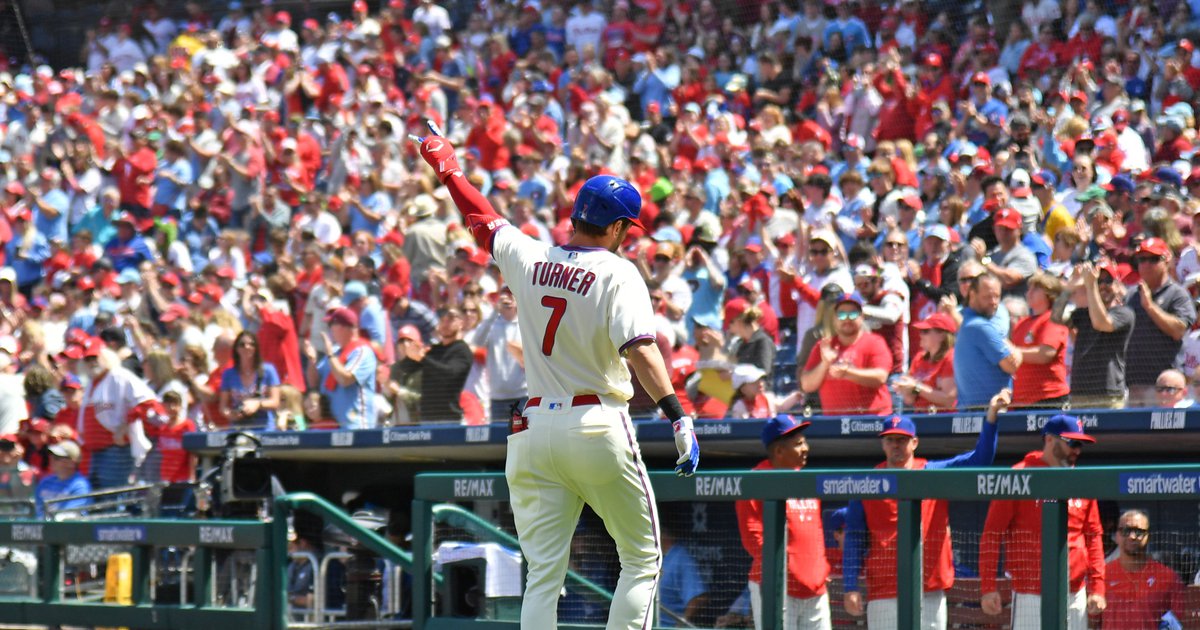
(555, 406)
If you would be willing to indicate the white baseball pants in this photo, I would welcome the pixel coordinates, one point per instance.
(884, 613)
(1027, 611)
(798, 614)
(567, 457)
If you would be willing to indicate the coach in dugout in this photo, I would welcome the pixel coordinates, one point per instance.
(807, 569)
(873, 523)
(1142, 591)
(1019, 523)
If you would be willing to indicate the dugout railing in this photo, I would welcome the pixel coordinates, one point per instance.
(774, 488)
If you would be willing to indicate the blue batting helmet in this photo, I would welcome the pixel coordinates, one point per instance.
(604, 199)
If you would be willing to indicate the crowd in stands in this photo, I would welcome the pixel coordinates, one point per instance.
(220, 220)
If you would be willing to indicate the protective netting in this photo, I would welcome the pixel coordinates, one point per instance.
(713, 579)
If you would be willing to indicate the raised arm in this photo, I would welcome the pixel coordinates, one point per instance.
(478, 214)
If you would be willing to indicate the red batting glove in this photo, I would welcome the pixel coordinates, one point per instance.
(440, 155)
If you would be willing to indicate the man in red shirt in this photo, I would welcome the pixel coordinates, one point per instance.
(1141, 590)
(807, 569)
(876, 522)
(1020, 524)
(135, 174)
(276, 337)
(851, 368)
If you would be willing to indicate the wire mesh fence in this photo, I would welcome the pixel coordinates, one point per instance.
(706, 580)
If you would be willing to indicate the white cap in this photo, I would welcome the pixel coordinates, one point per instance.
(745, 373)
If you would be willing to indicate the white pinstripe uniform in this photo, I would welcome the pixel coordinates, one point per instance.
(580, 308)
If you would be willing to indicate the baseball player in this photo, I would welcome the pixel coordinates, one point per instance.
(1019, 524)
(876, 519)
(807, 603)
(583, 309)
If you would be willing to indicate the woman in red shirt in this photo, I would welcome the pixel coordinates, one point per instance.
(1041, 381)
(929, 384)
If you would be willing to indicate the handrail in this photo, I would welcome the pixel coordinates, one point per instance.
(312, 503)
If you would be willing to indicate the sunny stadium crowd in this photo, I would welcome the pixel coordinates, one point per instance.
(218, 220)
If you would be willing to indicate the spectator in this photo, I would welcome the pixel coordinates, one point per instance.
(444, 368)
(984, 359)
(17, 478)
(1163, 312)
(929, 384)
(682, 591)
(876, 521)
(1041, 379)
(1171, 390)
(176, 465)
(63, 481)
(807, 602)
(823, 268)
(1018, 523)
(751, 398)
(749, 342)
(500, 337)
(346, 372)
(1142, 591)
(1010, 260)
(276, 335)
(122, 402)
(850, 369)
(884, 312)
(404, 381)
(250, 387)
(1102, 325)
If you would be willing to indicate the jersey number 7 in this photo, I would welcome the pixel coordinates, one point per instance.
(558, 308)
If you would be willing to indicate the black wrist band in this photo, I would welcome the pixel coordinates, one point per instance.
(671, 408)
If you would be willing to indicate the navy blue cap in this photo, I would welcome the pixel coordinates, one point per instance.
(851, 298)
(1168, 175)
(780, 426)
(1069, 427)
(899, 425)
(1120, 184)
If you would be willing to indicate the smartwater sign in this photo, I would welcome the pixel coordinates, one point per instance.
(868, 485)
(1160, 483)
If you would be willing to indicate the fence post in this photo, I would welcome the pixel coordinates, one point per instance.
(274, 566)
(50, 567)
(202, 577)
(140, 573)
(910, 587)
(422, 553)
(1054, 563)
(774, 563)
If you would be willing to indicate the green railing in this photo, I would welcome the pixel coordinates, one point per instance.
(774, 488)
(142, 537)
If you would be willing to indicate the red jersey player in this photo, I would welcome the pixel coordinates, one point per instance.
(1020, 523)
(807, 568)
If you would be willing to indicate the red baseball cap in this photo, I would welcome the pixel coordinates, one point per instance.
(174, 312)
(1007, 218)
(1111, 269)
(982, 78)
(933, 60)
(1153, 247)
(343, 316)
(937, 321)
(912, 200)
(479, 256)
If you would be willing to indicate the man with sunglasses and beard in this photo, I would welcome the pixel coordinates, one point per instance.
(850, 369)
(1102, 325)
(1020, 524)
(1142, 591)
